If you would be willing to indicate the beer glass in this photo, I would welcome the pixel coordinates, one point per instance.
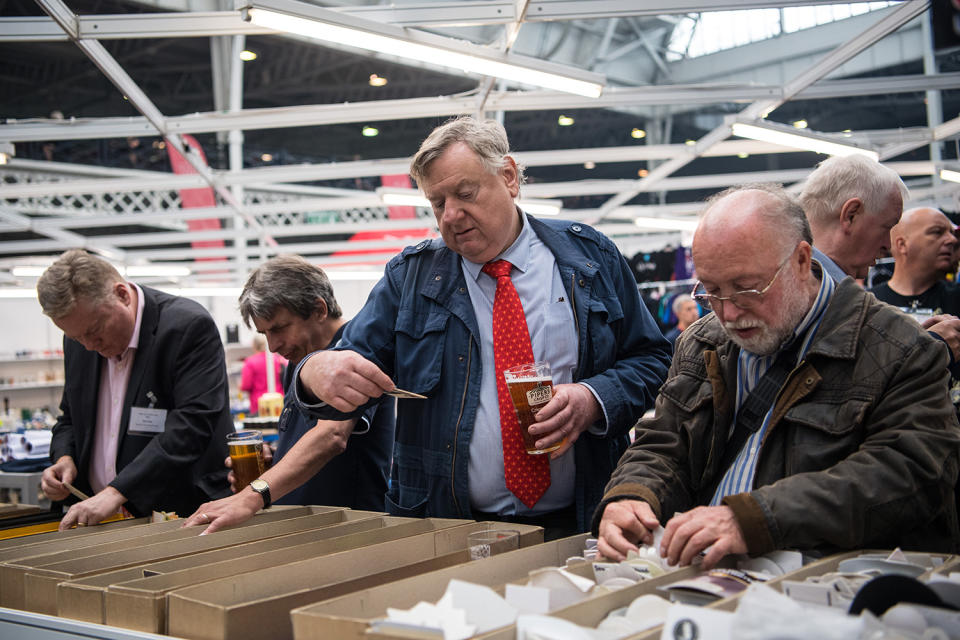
(488, 541)
(531, 387)
(246, 455)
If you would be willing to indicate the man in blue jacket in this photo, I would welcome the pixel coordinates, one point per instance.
(428, 328)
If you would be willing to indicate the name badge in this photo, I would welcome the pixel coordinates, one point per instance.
(143, 420)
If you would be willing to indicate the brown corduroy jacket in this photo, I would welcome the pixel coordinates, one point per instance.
(861, 451)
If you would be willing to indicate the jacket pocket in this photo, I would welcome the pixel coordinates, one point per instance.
(420, 338)
(417, 510)
(829, 418)
(687, 392)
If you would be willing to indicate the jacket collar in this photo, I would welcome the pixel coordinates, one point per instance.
(836, 337)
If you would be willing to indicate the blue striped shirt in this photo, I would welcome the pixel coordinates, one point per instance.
(750, 368)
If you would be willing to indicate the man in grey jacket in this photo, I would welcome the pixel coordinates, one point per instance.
(855, 443)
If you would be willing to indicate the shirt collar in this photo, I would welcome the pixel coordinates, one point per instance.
(135, 337)
(518, 253)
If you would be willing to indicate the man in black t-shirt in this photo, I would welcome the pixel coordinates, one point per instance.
(922, 244)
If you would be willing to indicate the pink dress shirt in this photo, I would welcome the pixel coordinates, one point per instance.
(114, 376)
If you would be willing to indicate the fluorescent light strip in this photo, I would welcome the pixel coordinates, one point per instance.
(364, 39)
(669, 224)
(797, 141)
(133, 271)
(951, 176)
(536, 207)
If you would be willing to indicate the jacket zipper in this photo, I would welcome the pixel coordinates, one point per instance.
(576, 318)
(456, 431)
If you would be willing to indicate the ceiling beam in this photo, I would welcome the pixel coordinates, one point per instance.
(762, 108)
(38, 130)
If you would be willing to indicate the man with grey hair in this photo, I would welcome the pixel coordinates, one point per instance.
(330, 462)
(145, 410)
(800, 414)
(500, 289)
(852, 202)
(687, 311)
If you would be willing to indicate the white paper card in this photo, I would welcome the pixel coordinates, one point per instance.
(143, 420)
(528, 599)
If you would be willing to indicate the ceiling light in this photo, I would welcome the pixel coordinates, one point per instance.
(266, 157)
(800, 124)
(4, 158)
(159, 270)
(377, 81)
(643, 173)
(248, 56)
(638, 133)
(204, 292)
(589, 164)
(689, 142)
(18, 293)
(564, 121)
(341, 28)
(396, 197)
(541, 207)
(945, 174)
(805, 141)
(669, 224)
(28, 271)
(371, 276)
(743, 154)
(370, 132)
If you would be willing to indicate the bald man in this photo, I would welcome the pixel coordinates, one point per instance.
(800, 414)
(922, 245)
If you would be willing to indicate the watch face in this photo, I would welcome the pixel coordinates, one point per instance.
(259, 485)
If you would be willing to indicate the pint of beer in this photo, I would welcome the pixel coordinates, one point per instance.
(531, 387)
(246, 456)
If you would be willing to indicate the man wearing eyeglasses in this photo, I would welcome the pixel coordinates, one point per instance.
(801, 413)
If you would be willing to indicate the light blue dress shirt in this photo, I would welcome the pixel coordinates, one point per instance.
(554, 339)
(750, 368)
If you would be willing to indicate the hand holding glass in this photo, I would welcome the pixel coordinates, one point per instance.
(531, 387)
(246, 456)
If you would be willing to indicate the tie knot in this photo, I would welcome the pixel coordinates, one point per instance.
(497, 268)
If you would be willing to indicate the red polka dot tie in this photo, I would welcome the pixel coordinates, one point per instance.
(527, 476)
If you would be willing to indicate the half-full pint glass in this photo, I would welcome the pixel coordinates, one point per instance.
(246, 455)
(531, 387)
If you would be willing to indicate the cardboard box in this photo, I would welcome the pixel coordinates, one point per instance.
(347, 617)
(140, 603)
(22, 541)
(85, 598)
(256, 606)
(39, 576)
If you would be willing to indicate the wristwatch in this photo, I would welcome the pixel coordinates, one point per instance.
(261, 487)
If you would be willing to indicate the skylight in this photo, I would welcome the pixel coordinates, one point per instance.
(699, 34)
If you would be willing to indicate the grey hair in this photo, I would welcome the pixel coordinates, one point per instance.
(840, 178)
(290, 282)
(788, 216)
(679, 301)
(486, 138)
(76, 275)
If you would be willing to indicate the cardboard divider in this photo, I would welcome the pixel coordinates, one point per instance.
(347, 617)
(84, 598)
(257, 605)
(39, 538)
(140, 604)
(107, 537)
(40, 580)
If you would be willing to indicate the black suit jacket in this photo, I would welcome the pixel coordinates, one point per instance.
(180, 361)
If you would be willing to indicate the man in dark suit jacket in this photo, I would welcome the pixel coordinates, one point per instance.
(145, 407)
